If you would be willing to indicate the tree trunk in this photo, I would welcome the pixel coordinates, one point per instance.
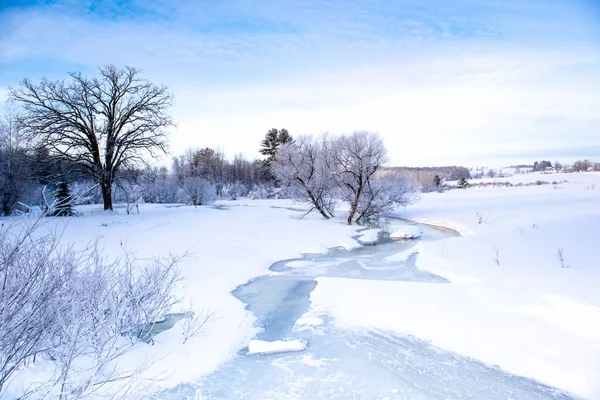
(107, 195)
(354, 205)
(351, 214)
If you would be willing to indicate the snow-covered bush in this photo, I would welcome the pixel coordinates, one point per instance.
(199, 191)
(74, 311)
(129, 193)
(85, 192)
(259, 192)
(161, 190)
(235, 191)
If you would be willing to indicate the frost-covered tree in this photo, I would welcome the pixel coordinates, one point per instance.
(199, 191)
(356, 158)
(327, 169)
(384, 194)
(101, 124)
(305, 165)
(16, 168)
(462, 183)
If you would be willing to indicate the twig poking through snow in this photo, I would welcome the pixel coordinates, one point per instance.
(496, 255)
(560, 256)
(194, 324)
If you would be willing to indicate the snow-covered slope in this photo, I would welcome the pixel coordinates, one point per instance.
(512, 301)
(227, 247)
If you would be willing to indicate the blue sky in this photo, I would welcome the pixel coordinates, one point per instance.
(445, 82)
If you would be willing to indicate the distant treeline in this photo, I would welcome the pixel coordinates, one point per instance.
(426, 176)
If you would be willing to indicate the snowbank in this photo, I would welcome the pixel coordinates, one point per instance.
(513, 301)
(369, 236)
(278, 346)
(407, 232)
(403, 256)
(226, 249)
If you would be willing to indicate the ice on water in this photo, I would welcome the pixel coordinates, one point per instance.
(333, 364)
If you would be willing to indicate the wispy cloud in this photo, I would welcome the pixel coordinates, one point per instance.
(450, 81)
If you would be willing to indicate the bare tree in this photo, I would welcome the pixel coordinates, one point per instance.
(304, 164)
(15, 167)
(130, 193)
(383, 194)
(356, 158)
(581, 165)
(102, 123)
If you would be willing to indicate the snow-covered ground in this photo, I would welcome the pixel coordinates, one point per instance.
(276, 346)
(227, 248)
(587, 179)
(511, 301)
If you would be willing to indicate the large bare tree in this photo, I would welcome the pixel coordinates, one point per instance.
(304, 165)
(102, 123)
(357, 158)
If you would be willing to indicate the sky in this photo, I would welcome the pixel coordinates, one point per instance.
(465, 82)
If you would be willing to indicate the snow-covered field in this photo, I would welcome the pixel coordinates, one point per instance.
(227, 247)
(509, 302)
(587, 180)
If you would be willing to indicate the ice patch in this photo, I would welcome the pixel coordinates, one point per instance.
(312, 362)
(402, 256)
(407, 232)
(307, 322)
(298, 264)
(278, 346)
(369, 236)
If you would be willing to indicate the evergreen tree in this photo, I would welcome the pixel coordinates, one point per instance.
(273, 139)
(284, 137)
(437, 181)
(462, 183)
(63, 206)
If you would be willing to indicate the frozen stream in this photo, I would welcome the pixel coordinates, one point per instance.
(357, 364)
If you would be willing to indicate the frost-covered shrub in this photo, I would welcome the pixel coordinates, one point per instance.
(74, 311)
(259, 192)
(85, 192)
(288, 192)
(128, 193)
(235, 191)
(199, 191)
(162, 190)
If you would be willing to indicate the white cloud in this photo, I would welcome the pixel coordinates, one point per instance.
(347, 67)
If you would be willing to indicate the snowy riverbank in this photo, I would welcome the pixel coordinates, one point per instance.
(509, 302)
(227, 248)
(512, 301)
